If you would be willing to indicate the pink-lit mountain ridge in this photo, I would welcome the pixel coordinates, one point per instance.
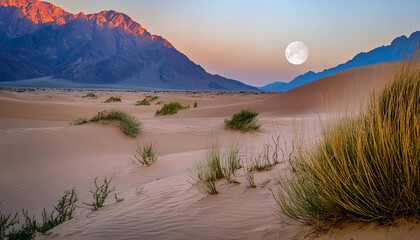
(39, 39)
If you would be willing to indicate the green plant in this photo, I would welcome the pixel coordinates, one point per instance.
(246, 120)
(145, 155)
(117, 199)
(249, 173)
(140, 190)
(205, 173)
(170, 109)
(203, 178)
(195, 105)
(230, 163)
(129, 125)
(113, 99)
(90, 95)
(7, 223)
(62, 212)
(143, 102)
(99, 194)
(365, 167)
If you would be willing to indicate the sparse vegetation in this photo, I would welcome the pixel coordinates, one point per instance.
(244, 121)
(230, 163)
(143, 102)
(140, 190)
(362, 168)
(62, 212)
(203, 178)
(151, 98)
(117, 199)
(249, 173)
(129, 125)
(99, 194)
(90, 95)
(195, 105)
(205, 173)
(113, 99)
(170, 108)
(145, 155)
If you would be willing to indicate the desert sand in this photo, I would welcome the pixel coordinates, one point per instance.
(42, 155)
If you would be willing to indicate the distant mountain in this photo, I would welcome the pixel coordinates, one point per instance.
(38, 39)
(401, 48)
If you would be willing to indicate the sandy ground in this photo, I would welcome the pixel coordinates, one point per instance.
(42, 155)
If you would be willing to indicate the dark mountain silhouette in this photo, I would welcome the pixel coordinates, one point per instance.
(38, 39)
(401, 48)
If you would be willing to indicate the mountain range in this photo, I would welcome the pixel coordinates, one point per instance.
(38, 39)
(400, 48)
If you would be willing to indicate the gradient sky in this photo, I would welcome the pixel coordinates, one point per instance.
(246, 39)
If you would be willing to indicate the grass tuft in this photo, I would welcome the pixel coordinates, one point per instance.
(195, 104)
(170, 109)
(100, 194)
(362, 168)
(90, 95)
(145, 155)
(244, 121)
(230, 163)
(113, 99)
(143, 102)
(129, 125)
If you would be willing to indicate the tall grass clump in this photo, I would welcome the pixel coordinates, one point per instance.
(204, 174)
(245, 121)
(145, 155)
(230, 163)
(99, 194)
(203, 178)
(129, 125)
(363, 168)
(170, 108)
(113, 99)
(249, 170)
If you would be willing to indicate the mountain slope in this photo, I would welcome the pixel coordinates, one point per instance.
(39, 39)
(401, 48)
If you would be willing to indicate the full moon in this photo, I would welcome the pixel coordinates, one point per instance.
(297, 53)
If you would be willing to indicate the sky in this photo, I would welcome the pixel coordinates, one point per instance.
(246, 39)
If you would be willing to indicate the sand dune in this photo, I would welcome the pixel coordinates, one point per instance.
(42, 155)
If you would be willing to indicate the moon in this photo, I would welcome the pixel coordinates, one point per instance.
(297, 53)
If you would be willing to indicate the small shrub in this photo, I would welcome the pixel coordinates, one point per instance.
(195, 105)
(90, 95)
(113, 99)
(143, 102)
(159, 103)
(145, 156)
(244, 121)
(170, 109)
(129, 125)
(100, 194)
